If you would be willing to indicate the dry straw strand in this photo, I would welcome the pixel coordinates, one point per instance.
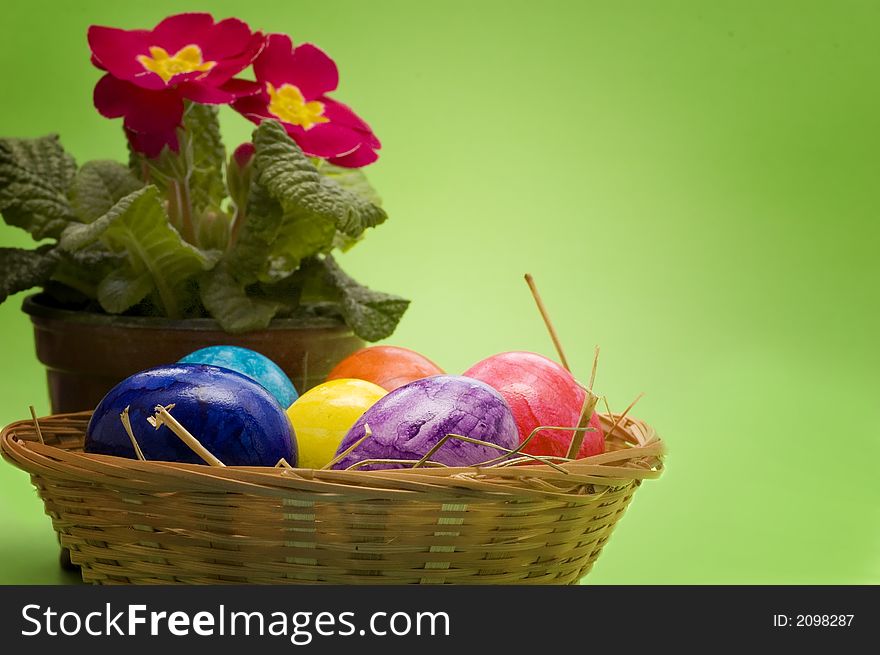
(546, 316)
(595, 367)
(341, 456)
(36, 424)
(163, 417)
(126, 423)
(577, 439)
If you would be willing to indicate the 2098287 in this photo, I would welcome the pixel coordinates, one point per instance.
(813, 620)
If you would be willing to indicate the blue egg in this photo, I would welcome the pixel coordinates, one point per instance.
(250, 363)
(232, 416)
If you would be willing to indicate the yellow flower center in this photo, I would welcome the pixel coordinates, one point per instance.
(288, 104)
(186, 60)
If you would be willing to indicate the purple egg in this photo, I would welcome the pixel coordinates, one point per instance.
(410, 420)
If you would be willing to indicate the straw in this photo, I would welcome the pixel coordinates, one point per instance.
(427, 456)
(577, 439)
(622, 416)
(162, 417)
(36, 424)
(126, 423)
(341, 456)
(595, 366)
(541, 308)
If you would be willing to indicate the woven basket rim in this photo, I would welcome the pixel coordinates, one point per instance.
(637, 455)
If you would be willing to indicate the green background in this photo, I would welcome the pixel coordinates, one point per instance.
(694, 186)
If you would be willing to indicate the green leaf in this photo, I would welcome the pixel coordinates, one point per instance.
(85, 269)
(286, 292)
(23, 269)
(301, 236)
(77, 237)
(273, 241)
(205, 155)
(212, 230)
(315, 282)
(294, 215)
(353, 180)
(250, 255)
(98, 186)
(288, 175)
(227, 300)
(365, 205)
(357, 213)
(371, 314)
(238, 184)
(34, 177)
(138, 226)
(288, 216)
(313, 207)
(124, 288)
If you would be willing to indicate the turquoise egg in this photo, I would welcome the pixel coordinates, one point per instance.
(250, 363)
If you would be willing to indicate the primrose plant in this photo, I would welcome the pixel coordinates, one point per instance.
(180, 231)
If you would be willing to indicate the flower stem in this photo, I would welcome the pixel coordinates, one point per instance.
(180, 209)
(238, 219)
(189, 231)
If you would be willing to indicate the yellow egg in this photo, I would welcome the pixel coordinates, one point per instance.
(322, 416)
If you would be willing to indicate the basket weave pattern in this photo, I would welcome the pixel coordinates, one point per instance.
(134, 522)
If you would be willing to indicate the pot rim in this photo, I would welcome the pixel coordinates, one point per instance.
(34, 306)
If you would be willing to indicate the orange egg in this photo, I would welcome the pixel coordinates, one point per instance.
(388, 366)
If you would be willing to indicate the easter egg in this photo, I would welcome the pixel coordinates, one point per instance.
(232, 416)
(388, 366)
(250, 363)
(323, 415)
(540, 392)
(410, 420)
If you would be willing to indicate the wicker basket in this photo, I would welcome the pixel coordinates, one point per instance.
(129, 521)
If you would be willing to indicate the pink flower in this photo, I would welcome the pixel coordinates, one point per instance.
(151, 72)
(293, 87)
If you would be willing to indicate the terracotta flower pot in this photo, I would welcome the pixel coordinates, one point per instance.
(86, 354)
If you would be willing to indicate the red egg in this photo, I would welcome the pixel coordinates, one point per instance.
(388, 366)
(540, 392)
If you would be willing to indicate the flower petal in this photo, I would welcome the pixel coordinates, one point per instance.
(325, 139)
(151, 144)
(201, 91)
(241, 88)
(272, 64)
(313, 71)
(360, 157)
(144, 111)
(154, 111)
(226, 68)
(228, 38)
(307, 67)
(117, 51)
(342, 114)
(321, 140)
(254, 108)
(111, 96)
(205, 94)
(181, 30)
